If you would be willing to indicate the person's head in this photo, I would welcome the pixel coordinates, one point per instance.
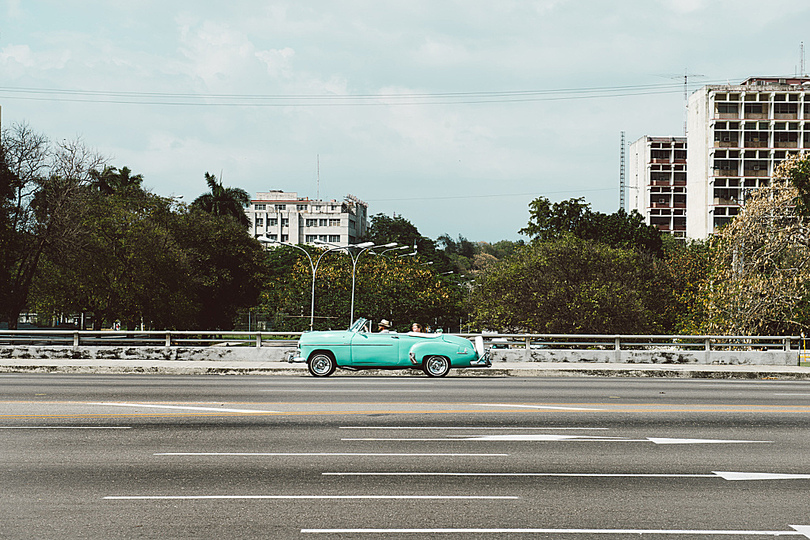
(416, 327)
(384, 325)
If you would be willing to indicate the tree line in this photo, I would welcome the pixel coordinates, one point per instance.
(79, 235)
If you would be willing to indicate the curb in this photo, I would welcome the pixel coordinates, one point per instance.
(531, 369)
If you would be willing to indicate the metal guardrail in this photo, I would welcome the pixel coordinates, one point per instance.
(148, 338)
(190, 338)
(625, 342)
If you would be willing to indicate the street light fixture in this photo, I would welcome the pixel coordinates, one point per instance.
(359, 249)
(354, 251)
(313, 266)
(391, 249)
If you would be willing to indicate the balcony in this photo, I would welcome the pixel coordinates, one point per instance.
(726, 144)
(756, 172)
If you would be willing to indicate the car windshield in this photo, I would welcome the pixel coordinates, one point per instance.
(358, 325)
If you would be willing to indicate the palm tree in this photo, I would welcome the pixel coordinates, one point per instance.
(222, 201)
(112, 180)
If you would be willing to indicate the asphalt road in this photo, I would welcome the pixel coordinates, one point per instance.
(402, 457)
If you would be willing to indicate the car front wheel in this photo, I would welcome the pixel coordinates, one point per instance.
(321, 364)
(436, 366)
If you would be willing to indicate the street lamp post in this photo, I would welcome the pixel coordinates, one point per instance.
(313, 266)
(354, 251)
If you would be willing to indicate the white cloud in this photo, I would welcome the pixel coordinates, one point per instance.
(19, 59)
(278, 61)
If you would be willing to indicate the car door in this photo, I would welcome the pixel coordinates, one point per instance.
(380, 349)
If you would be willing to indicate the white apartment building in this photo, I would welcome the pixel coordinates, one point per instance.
(286, 217)
(737, 135)
(656, 182)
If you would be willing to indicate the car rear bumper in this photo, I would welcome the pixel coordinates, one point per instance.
(483, 361)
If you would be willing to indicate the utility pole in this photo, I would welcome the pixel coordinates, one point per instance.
(622, 179)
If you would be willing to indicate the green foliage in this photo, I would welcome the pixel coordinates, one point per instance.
(226, 267)
(400, 289)
(759, 272)
(43, 191)
(549, 221)
(224, 201)
(797, 172)
(139, 259)
(685, 272)
(570, 285)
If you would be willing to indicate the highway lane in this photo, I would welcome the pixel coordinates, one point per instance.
(379, 457)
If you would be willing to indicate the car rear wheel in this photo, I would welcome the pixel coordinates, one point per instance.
(321, 364)
(436, 366)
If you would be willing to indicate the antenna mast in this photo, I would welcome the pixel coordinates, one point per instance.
(802, 72)
(318, 175)
(622, 178)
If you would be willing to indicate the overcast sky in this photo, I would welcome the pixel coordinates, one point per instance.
(453, 114)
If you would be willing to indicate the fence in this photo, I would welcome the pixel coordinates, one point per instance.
(171, 344)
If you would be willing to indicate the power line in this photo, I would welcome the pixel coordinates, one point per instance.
(329, 100)
(489, 196)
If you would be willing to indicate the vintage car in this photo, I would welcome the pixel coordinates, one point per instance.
(358, 348)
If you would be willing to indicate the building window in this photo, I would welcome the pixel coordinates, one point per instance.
(318, 208)
(323, 222)
(311, 237)
(301, 208)
(323, 238)
(272, 236)
(280, 207)
(334, 238)
(312, 223)
(334, 223)
(272, 222)
(785, 108)
(285, 237)
(259, 206)
(285, 222)
(333, 208)
(259, 222)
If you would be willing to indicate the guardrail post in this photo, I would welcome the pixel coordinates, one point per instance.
(258, 340)
(707, 345)
(75, 340)
(168, 339)
(617, 347)
(527, 352)
(787, 344)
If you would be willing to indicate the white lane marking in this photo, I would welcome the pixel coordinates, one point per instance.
(352, 391)
(807, 394)
(537, 407)
(183, 407)
(666, 440)
(477, 428)
(501, 438)
(487, 474)
(798, 530)
(300, 497)
(358, 454)
(554, 438)
(725, 475)
(65, 427)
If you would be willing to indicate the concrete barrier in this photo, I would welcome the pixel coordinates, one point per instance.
(219, 353)
(772, 357)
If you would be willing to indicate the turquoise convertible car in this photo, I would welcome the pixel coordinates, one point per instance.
(357, 348)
